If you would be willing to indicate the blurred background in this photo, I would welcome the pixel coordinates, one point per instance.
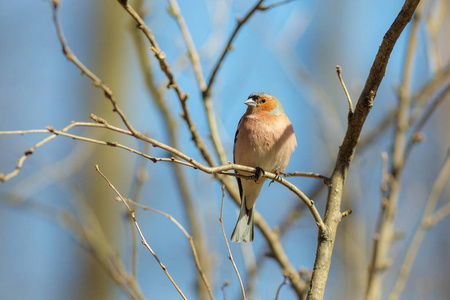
(63, 236)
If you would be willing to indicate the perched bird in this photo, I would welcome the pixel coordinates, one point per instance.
(264, 140)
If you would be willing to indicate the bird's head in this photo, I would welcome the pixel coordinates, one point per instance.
(261, 102)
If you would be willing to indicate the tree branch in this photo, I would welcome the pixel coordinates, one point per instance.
(333, 213)
(227, 48)
(417, 239)
(96, 81)
(228, 246)
(165, 67)
(144, 241)
(185, 160)
(384, 238)
(158, 96)
(188, 236)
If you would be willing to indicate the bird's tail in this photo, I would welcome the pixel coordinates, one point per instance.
(243, 232)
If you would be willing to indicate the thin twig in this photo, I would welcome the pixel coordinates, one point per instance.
(224, 285)
(21, 160)
(417, 239)
(174, 9)
(384, 238)
(173, 84)
(434, 22)
(139, 182)
(188, 161)
(158, 96)
(419, 99)
(227, 48)
(23, 132)
(424, 118)
(346, 213)
(325, 179)
(144, 241)
(189, 237)
(266, 7)
(96, 81)
(207, 101)
(350, 105)
(384, 202)
(228, 246)
(86, 231)
(438, 216)
(279, 288)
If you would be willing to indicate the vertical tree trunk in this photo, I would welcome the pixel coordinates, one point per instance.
(109, 42)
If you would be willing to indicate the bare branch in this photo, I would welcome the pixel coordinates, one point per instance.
(139, 180)
(20, 162)
(174, 9)
(325, 179)
(224, 285)
(193, 55)
(144, 241)
(228, 245)
(419, 100)
(384, 238)
(438, 216)
(266, 7)
(165, 67)
(350, 105)
(384, 203)
(346, 213)
(96, 81)
(279, 288)
(346, 152)
(425, 117)
(158, 96)
(188, 161)
(189, 237)
(228, 47)
(436, 191)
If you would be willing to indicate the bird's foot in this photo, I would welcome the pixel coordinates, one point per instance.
(276, 178)
(259, 173)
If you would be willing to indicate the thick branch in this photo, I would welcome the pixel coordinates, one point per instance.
(333, 213)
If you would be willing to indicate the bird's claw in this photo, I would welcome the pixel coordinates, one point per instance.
(276, 178)
(259, 173)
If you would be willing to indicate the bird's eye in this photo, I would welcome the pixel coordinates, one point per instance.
(263, 100)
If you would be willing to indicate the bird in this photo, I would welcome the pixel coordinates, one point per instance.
(265, 140)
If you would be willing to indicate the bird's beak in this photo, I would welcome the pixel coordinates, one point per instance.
(250, 102)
